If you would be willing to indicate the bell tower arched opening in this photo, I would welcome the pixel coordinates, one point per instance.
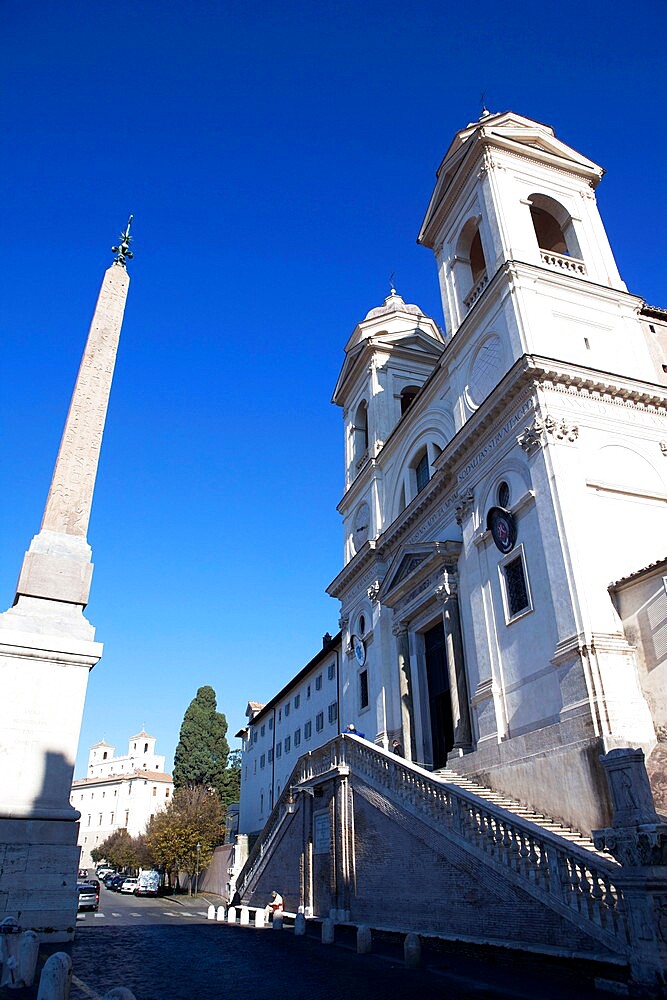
(470, 270)
(554, 229)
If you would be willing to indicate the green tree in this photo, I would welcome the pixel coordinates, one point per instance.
(119, 849)
(202, 751)
(194, 816)
(231, 780)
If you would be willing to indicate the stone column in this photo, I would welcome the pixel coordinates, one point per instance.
(447, 594)
(400, 630)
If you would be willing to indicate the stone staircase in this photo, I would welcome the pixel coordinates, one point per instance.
(450, 777)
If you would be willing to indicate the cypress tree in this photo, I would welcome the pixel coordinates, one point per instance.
(202, 751)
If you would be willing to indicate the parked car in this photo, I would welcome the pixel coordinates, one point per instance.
(117, 882)
(83, 873)
(104, 870)
(149, 883)
(129, 885)
(108, 879)
(89, 896)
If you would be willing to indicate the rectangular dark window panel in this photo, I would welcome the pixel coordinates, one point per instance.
(422, 473)
(517, 592)
(363, 689)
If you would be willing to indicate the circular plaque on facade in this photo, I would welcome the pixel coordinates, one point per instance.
(502, 526)
(359, 650)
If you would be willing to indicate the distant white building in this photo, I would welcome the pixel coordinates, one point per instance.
(119, 792)
(302, 716)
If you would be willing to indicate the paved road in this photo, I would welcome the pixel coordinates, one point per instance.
(166, 949)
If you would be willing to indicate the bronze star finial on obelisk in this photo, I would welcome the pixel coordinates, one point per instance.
(123, 251)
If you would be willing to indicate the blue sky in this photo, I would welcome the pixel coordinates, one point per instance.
(278, 159)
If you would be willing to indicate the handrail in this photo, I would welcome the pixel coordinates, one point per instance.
(577, 881)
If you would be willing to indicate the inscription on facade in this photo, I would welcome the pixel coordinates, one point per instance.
(322, 832)
(493, 442)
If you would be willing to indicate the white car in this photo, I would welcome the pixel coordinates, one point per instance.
(129, 885)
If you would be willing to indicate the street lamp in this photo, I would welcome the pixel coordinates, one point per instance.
(197, 870)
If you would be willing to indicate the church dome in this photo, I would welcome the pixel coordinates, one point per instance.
(394, 303)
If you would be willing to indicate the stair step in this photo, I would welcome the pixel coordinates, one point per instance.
(512, 805)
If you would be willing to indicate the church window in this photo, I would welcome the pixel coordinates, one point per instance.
(307, 730)
(554, 229)
(112, 816)
(297, 737)
(145, 747)
(88, 819)
(407, 397)
(362, 624)
(503, 495)
(288, 744)
(516, 593)
(319, 722)
(363, 689)
(262, 761)
(333, 712)
(470, 270)
(100, 820)
(104, 755)
(422, 472)
(166, 794)
(360, 434)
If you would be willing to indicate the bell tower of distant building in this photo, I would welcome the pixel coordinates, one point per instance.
(47, 649)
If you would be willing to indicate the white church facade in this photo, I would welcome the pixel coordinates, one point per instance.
(119, 792)
(499, 477)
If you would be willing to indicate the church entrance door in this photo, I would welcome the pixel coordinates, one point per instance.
(442, 728)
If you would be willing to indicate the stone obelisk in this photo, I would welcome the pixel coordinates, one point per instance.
(47, 649)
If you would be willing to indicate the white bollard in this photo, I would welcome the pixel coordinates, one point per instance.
(328, 931)
(28, 952)
(412, 951)
(119, 993)
(244, 916)
(9, 952)
(210, 913)
(220, 913)
(260, 918)
(277, 921)
(55, 981)
(364, 940)
(231, 915)
(299, 925)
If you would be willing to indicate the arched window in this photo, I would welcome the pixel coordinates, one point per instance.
(407, 397)
(553, 227)
(145, 747)
(470, 270)
(360, 432)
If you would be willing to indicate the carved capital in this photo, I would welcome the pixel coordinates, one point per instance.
(343, 622)
(532, 436)
(448, 589)
(399, 628)
(560, 429)
(663, 448)
(437, 249)
(464, 506)
(373, 591)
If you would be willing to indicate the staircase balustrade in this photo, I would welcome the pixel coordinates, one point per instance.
(547, 865)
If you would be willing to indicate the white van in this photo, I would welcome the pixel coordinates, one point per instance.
(148, 884)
